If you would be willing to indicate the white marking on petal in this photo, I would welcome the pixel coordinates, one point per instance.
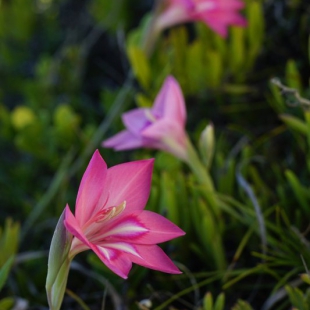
(104, 252)
(124, 247)
(125, 229)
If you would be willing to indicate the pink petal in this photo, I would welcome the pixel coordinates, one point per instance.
(73, 227)
(160, 229)
(130, 182)
(169, 103)
(135, 120)
(230, 4)
(128, 228)
(163, 128)
(114, 259)
(215, 25)
(153, 257)
(144, 227)
(124, 140)
(220, 20)
(91, 188)
(173, 15)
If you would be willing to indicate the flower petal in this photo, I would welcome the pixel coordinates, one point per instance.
(123, 140)
(153, 257)
(169, 102)
(128, 228)
(73, 227)
(160, 229)
(91, 187)
(219, 20)
(144, 227)
(135, 120)
(165, 128)
(114, 259)
(130, 182)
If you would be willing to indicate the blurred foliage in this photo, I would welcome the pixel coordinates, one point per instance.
(9, 240)
(63, 64)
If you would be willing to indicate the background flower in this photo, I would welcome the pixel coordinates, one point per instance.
(217, 14)
(159, 127)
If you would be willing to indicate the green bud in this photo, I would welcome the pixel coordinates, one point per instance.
(58, 265)
(207, 145)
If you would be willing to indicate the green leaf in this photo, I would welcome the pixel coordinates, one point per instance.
(237, 51)
(292, 75)
(9, 239)
(255, 30)
(215, 68)
(208, 302)
(220, 302)
(167, 198)
(299, 190)
(242, 305)
(297, 298)
(4, 271)
(294, 123)
(6, 303)
(140, 65)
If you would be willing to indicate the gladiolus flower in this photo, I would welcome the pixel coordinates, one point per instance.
(217, 14)
(110, 220)
(160, 127)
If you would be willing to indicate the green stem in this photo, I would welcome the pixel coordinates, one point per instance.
(203, 176)
(197, 167)
(152, 32)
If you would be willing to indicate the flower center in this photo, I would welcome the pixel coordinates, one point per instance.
(103, 216)
(109, 213)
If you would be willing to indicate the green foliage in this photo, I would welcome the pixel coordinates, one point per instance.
(299, 300)
(209, 304)
(60, 73)
(6, 303)
(206, 61)
(242, 305)
(4, 271)
(9, 240)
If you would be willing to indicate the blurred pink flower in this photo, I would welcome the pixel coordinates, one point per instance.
(217, 14)
(159, 127)
(110, 220)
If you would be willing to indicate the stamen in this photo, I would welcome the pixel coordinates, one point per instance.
(95, 224)
(109, 213)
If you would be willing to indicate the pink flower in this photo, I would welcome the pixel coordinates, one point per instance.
(160, 127)
(217, 14)
(110, 220)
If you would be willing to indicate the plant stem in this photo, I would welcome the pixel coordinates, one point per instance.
(203, 176)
